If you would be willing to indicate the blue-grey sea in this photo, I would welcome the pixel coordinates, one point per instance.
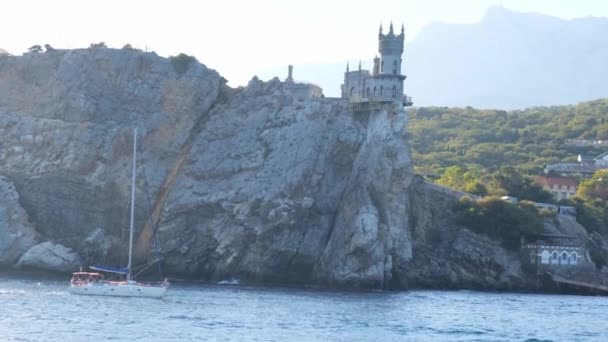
(42, 310)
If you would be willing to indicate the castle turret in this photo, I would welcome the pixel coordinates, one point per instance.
(376, 68)
(390, 47)
(289, 74)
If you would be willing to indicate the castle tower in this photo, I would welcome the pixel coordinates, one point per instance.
(390, 47)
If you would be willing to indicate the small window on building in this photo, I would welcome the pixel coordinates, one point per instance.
(382, 66)
(394, 91)
(532, 257)
(555, 258)
(565, 258)
(367, 91)
(564, 195)
(374, 90)
(352, 91)
(381, 89)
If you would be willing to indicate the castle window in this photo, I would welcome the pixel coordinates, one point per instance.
(381, 88)
(352, 90)
(394, 67)
(382, 66)
(573, 258)
(394, 91)
(367, 91)
(374, 90)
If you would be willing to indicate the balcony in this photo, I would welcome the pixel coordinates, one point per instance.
(407, 101)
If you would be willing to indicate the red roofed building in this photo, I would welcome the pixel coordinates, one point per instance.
(561, 188)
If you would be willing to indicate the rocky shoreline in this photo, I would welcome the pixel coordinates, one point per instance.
(251, 183)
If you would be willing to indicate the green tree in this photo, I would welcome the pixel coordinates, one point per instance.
(499, 219)
(464, 178)
(35, 49)
(520, 186)
(181, 63)
(596, 187)
(100, 45)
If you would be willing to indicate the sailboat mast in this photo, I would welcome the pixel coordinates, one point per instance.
(132, 205)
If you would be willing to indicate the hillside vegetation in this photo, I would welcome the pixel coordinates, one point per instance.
(495, 152)
(489, 139)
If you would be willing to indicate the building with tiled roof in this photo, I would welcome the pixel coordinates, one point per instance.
(560, 187)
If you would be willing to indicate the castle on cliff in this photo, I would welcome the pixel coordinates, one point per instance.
(385, 82)
(364, 90)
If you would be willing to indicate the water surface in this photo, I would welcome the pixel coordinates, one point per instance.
(35, 310)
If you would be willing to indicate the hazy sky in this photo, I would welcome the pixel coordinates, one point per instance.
(242, 38)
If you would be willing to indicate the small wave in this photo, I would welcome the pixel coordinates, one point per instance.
(461, 332)
(11, 292)
(186, 317)
(232, 281)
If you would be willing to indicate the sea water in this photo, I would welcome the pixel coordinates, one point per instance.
(42, 310)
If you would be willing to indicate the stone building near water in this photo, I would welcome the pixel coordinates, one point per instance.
(385, 82)
(551, 252)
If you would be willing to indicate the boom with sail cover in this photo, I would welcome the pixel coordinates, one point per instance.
(109, 269)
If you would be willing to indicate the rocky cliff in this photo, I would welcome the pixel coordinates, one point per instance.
(247, 183)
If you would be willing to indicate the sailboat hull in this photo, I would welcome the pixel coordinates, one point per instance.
(119, 290)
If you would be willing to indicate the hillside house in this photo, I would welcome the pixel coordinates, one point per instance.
(586, 165)
(601, 161)
(560, 187)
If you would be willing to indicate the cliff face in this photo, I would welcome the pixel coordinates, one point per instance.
(246, 183)
(66, 121)
(286, 191)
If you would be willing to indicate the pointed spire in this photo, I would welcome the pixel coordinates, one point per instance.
(359, 65)
(380, 28)
(347, 67)
(402, 29)
(390, 30)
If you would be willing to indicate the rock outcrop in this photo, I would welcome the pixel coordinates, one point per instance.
(17, 234)
(50, 256)
(448, 256)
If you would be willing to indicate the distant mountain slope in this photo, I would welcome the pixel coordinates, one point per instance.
(509, 60)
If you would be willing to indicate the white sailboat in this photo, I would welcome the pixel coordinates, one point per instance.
(92, 283)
